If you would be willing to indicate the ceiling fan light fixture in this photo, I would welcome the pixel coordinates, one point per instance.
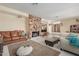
(34, 3)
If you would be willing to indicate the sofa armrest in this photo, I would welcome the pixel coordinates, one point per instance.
(64, 42)
(66, 46)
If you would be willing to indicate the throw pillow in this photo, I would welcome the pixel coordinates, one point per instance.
(73, 40)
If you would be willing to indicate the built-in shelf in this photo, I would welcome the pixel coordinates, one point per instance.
(74, 28)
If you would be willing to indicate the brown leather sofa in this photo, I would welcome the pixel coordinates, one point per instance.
(12, 36)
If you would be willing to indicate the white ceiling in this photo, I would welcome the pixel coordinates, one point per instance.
(49, 11)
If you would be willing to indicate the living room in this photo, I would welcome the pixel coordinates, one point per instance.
(24, 33)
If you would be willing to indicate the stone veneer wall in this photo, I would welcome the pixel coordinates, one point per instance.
(34, 24)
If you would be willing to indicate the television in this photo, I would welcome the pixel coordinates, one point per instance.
(43, 30)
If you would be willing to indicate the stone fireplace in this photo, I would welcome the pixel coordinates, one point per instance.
(34, 26)
(35, 33)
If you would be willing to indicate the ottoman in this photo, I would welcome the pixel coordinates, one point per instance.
(24, 50)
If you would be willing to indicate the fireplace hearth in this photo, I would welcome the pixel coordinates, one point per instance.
(35, 33)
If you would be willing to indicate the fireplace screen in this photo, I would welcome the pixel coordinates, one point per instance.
(35, 34)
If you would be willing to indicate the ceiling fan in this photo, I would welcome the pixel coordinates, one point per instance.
(34, 4)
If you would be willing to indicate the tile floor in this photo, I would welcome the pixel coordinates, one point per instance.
(41, 41)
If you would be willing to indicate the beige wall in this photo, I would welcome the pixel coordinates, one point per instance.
(9, 19)
(66, 24)
(11, 22)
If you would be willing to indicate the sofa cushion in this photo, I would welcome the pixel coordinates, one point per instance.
(15, 38)
(20, 33)
(14, 33)
(6, 34)
(6, 39)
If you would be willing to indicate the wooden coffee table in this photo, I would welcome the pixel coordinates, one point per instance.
(50, 43)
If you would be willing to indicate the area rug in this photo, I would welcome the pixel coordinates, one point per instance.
(38, 49)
